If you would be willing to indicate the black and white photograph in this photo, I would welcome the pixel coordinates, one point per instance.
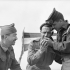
(34, 35)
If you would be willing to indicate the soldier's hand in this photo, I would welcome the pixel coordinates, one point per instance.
(43, 44)
(49, 42)
(48, 39)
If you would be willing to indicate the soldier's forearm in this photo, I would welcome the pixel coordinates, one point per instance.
(61, 45)
(33, 59)
(58, 46)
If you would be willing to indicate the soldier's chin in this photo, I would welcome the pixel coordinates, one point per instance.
(13, 43)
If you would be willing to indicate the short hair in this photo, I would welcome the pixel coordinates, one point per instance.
(45, 24)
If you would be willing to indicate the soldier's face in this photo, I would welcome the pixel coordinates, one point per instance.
(57, 25)
(45, 32)
(10, 39)
(60, 24)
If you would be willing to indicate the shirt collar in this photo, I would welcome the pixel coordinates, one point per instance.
(3, 46)
(3, 53)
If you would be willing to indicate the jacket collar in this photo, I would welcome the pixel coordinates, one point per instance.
(67, 31)
(3, 54)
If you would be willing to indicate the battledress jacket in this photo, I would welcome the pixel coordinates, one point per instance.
(7, 60)
(64, 46)
(36, 60)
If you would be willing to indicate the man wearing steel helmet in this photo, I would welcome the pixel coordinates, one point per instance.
(7, 56)
(62, 44)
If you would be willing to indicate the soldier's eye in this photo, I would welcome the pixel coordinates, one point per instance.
(44, 32)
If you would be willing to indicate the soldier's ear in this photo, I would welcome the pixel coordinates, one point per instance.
(5, 36)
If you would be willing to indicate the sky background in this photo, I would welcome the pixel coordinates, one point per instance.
(30, 14)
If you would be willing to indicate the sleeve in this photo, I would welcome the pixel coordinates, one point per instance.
(67, 44)
(58, 46)
(33, 55)
(15, 65)
(63, 46)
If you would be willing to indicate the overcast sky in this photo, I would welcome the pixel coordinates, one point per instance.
(30, 14)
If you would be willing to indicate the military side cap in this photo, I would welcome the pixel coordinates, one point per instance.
(48, 24)
(55, 16)
(8, 29)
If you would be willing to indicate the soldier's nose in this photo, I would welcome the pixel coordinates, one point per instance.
(16, 38)
(45, 34)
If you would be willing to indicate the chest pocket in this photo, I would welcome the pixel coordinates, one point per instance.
(5, 63)
(67, 35)
(10, 58)
(67, 44)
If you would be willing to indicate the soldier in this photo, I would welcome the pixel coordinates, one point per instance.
(7, 56)
(63, 37)
(40, 57)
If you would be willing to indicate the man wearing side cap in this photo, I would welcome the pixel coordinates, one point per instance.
(62, 45)
(7, 56)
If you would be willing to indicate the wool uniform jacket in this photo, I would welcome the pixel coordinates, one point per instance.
(37, 60)
(7, 60)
